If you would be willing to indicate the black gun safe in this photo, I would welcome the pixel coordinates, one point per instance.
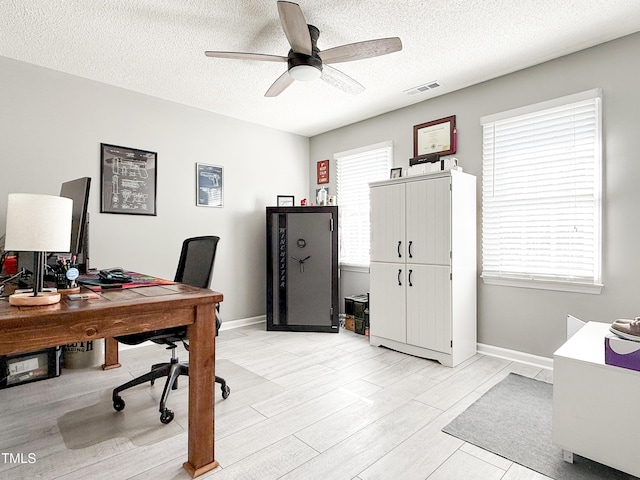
(302, 269)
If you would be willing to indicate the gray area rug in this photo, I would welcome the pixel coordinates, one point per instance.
(513, 420)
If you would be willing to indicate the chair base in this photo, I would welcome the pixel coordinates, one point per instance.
(172, 371)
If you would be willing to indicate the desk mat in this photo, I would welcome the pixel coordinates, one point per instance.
(93, 281)
(140, 419)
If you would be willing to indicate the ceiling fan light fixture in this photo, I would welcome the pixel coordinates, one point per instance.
(305, 61)
(305, 73)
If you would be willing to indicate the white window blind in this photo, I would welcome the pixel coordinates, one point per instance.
(355, 169)
(541, 192)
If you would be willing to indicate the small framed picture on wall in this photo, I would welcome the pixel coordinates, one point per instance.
(209, 185)
(323, 172)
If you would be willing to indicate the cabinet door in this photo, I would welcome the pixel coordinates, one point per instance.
(309, 275)
(429, 221)
(429, 307)
(387, 223)
(387, 301)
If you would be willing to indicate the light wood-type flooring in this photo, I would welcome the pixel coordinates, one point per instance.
(302, 406)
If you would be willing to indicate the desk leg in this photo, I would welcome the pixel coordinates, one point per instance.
(202, 358)
(110, 354)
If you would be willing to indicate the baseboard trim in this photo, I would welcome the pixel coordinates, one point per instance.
(515, 356)
(242, 322)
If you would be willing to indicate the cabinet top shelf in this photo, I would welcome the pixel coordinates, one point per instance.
(415, 178)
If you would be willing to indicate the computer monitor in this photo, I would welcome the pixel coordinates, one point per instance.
(78, 191)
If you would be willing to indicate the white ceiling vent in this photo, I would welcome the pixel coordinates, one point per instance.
(423, 88)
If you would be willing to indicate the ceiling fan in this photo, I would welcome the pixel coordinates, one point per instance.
(305, 61)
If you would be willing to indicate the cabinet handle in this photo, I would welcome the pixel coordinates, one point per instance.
(409, 279)
(399, 244)
(409, 248)
(399, 273)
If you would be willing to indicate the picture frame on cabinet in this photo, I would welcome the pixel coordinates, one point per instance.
(437, 136)
(396, 172)
(286, 201)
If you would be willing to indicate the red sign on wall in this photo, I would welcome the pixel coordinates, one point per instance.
(323, 171)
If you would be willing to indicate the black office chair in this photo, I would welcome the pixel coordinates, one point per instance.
(194, 268)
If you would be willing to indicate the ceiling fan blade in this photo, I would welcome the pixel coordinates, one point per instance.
(282, 82)
(246, 56)
(341, 80)
(360, 50)
(295, 27)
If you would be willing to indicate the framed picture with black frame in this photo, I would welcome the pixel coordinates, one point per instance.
(127, 180)
(209, 185)
(286, 201)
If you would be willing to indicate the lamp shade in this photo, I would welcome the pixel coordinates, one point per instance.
(38, 223)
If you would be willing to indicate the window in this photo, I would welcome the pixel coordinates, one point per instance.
(355, 169)
(541, 189)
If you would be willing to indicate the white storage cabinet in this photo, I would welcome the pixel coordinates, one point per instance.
(423, 266)
(595, 404)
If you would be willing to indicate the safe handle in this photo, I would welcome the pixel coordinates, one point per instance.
(409, 279)
(399, 273)
(399, 245)
(409, 248)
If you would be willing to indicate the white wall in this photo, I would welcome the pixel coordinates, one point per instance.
(527, 320)
(51, 127)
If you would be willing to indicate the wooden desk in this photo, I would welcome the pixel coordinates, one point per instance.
(121, 312)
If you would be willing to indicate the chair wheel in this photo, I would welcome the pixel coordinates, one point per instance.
(225, 392)
(166, 416)
(118, 404)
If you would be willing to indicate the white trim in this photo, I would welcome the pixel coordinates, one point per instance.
(355, 151)
(347, 267)
(592, 288)
(515, 356)
(242, 322)
(555, 102)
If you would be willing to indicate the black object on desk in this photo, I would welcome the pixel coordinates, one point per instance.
(114, 275)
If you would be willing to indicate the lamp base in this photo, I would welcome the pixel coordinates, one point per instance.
(28, 300)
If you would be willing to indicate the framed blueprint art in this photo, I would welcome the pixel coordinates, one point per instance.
(127, 180)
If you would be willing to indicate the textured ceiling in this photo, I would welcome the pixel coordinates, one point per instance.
(157, 47)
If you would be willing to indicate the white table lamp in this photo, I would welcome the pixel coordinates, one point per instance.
(37, 223)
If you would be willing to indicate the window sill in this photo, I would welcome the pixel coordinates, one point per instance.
(346, 267)
(591, 288)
